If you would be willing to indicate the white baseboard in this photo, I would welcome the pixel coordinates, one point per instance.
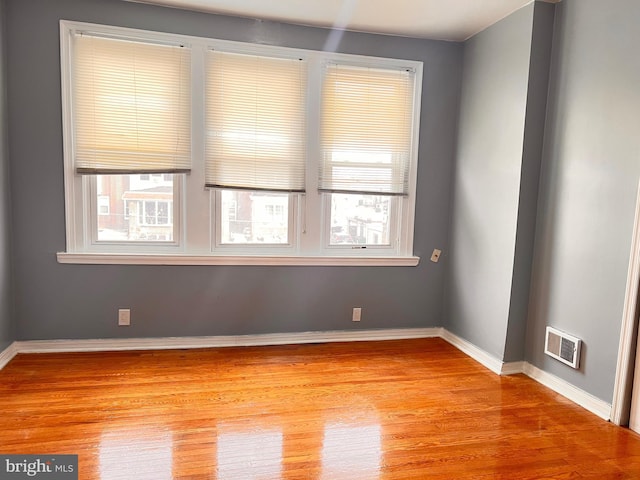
(485, 358)
(479, 355)
(165, 343)
(567, 390)
(512, 368)
(593, 404)
(582, 398)
(7, 354)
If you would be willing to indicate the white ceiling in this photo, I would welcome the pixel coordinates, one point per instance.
(453, 20)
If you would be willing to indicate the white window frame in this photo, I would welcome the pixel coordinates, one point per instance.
(196, 220)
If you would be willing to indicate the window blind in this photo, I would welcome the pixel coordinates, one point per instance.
(131, 106)
(255, 122)
(366, 130)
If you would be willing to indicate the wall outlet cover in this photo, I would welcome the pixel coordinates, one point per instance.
(124, 317)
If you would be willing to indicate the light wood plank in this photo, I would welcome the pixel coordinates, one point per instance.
(362, 410)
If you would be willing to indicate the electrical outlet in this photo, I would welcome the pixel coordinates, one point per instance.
(124, 317)
(435, 256)
(357, 313)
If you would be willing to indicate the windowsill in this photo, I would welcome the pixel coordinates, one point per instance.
(172, 259)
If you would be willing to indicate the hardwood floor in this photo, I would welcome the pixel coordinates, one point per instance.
(363, 410)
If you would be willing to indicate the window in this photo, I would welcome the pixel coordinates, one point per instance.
(131, 106)
(360, 219)
(143, 209)
(255, 122)
(254, 217)
(255, 131)
(366, 130)
(366, 151)
(189, 146)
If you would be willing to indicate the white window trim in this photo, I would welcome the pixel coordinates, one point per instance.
(257, 260)
(194, 220)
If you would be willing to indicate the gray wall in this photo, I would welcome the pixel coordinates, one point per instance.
(590, 175)
(81, 301)
(537, 92)
(486, 186)
(6, 320)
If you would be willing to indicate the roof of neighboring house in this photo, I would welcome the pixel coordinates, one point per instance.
(154, 193)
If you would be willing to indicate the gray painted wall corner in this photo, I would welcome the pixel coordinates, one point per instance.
(536, 109)
(7, 332)
(487, 181)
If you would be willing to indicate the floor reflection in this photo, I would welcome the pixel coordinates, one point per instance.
(249, 455)
(351, 451)
(143, 454)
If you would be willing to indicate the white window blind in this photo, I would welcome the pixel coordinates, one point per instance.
(255, 122)
(131, 106)
(366, 130)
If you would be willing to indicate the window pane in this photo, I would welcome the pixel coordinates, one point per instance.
(255, 121)
(139, 208)
(150, 212)
(254, 217)
(163, 213)
(367, 124)
(131, 102)
(360, 219)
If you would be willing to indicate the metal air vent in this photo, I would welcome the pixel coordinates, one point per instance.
(562, 347)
